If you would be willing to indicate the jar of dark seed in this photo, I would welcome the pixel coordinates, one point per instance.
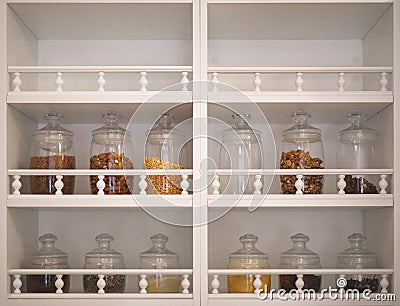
(302, 149)
(52, 148)
(358, 148)
(299, 257)
(111, 148)
(104, 257)
(358, 257)
(47, 257)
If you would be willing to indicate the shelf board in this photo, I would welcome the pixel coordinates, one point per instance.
(95, 201)
(96, 296)
(367, 201)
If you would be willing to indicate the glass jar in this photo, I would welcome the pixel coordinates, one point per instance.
(241, 149)
(52, 148)
(299, 257)
(104, 257)
(165, 150)
(302, 149)
(159, 257)
(47, 257)
(357, 148)
(358, 257)
(248, 257)
(111, 148)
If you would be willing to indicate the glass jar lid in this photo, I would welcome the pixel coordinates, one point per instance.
(48, 256)
(111, 131)
(301, 132)
(241, 130)
(53, 126)
(248, 249)
(300, 257)
(357, 256)
(164, 130)
(158, 256)
(357, 133)
(104, 255)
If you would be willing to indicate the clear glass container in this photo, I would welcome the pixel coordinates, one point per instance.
(300, 257)
(111, 148)
(165, 150)
(357, 148)
(302, 149)
(358, 257)
(241, 149)
(52, 148)
(159, 257)
(47, 257)
(248, 257)
(104, 257)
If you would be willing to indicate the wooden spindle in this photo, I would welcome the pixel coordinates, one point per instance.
(59, 81)
(257, 184)
(142, 184)
(299, 184)
(185, 284)
(215, 284)
(17, 283)
(17, 81)
(101, 81)
(100, 185)
(257, 81)
(215, 185)
(185, 81)
(101, 283)
(341, 184)
(59, 185)
(257, 283)
(143, 284)
(341, 81)
(384, 283)
(215, 81)
(143, 81)
(383, 81)
(299, 283)
(16, 185)
(59, 283)
(383, 184)
(299, 81)
(184, 184)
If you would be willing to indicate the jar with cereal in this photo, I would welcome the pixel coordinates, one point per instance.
(111, 148)
(52, 148)
(165, 149)
(302, 149)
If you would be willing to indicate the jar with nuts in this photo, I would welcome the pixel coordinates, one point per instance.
(111, 149)
(302, 149)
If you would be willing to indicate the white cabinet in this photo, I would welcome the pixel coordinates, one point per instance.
(139, 58)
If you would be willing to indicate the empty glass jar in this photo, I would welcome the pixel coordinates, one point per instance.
(358, 257)
(357, 148)
(111, 148)
(248, 257)
(47, 257)
(104, 257)
(302, 149)
(159, 257)
(52, 148)
(241, 149)
(165, 150)
(299, 257)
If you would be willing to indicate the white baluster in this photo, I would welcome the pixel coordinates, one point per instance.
(215, 284)
(16, 185)
(216, 185)
(341, 184)
(299, 283)
(143, 284)
(299, 81)
(257, 184)
(59, 185)
(257, 81)
(100, 185)
(383, 81)
(17, 283)
(257, 284)
(185, 81)
(101, 81)
(59, 81)
(299, 184)
(59, 283)
(383, 184)
(185, 284)
(143, 81)
(17, 82)
(142, 184)
(341, 81)
(384, 283)
(101, 283)
(215, 81)
(184, 184)
(342, 286)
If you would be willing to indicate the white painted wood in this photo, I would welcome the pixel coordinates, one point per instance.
(341, 184)
(17, 82)
(384, 283)
(143, 81)
(299, 184)
(257, 81)
(257, 283)
(101, 82)
(99, 271)
(257, 184)
(383, 81)
(286, 69)
(108, 69)
(59, 81)
(216, 185)
(184, 184)
(17, 283)
(184, 81)
(185, 284)
(100, 185)
(143, 284)
(299, 81)
(299, 283)
(59, 283)
(298, 271)
(142, 184)
(215, 284)
(59, 185)
(383, 184)
(214, 81)
(341, 81)
(16, 185)
(101, 283)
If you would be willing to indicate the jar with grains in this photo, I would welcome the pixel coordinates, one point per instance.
(357, 256)
(111, 148)
(302, 149)
(159, 257)
(165, 149)
(52, 148)
(248, 257)
(47, 257)
(358, 148)
(299, 257)
(104, 257)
